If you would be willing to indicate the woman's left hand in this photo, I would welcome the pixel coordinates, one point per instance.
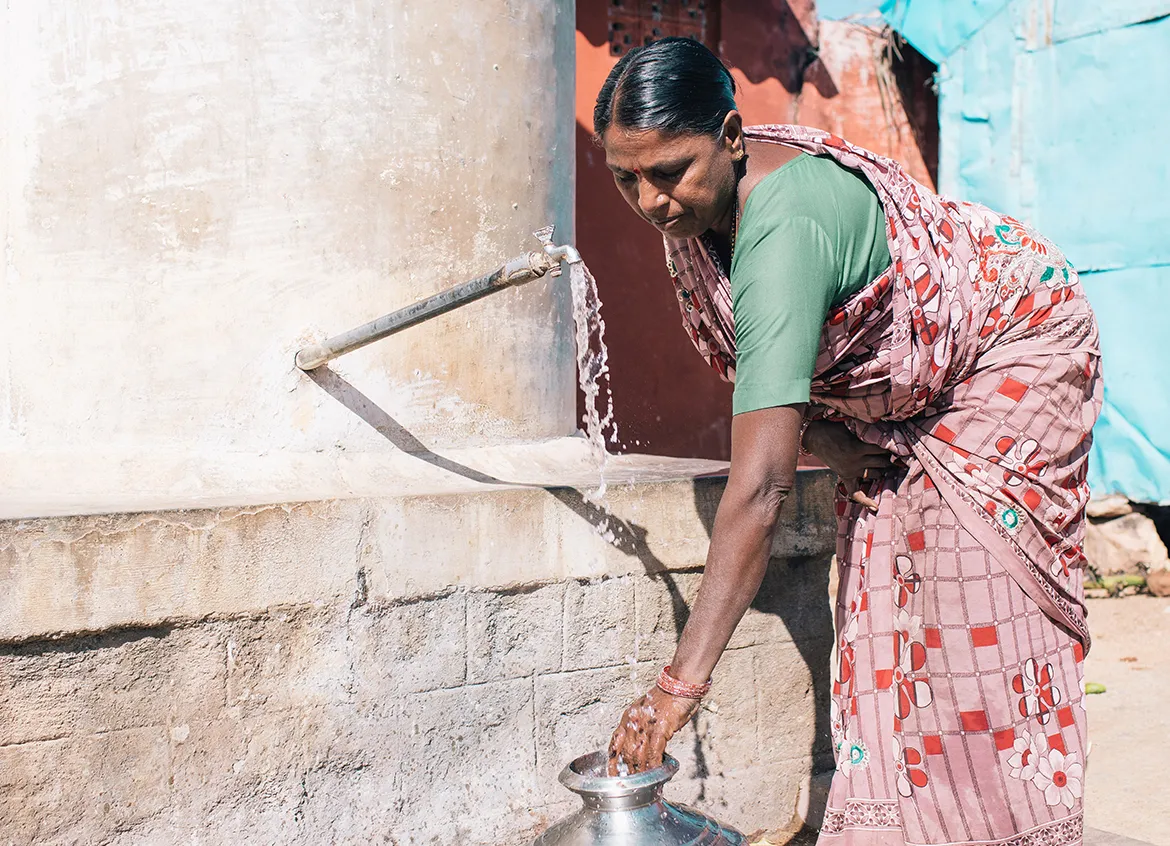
(645, 728)
(854, 460)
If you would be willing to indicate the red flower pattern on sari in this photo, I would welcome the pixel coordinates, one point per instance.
(911, 690)
(845, 659)
(907, 769)
(1067, 562)
(928, 298)
(1018, 460)
(1039, 696)
(906, 581)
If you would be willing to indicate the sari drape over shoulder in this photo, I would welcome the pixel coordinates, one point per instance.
(974, 358)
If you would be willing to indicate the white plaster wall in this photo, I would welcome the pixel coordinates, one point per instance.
(190, 191)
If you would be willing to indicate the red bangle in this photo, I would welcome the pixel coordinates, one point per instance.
(680, 688)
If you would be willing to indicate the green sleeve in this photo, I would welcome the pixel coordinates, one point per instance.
(783, 282)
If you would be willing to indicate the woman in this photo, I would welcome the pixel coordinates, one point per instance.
(943, 360)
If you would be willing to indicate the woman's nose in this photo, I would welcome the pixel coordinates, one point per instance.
(650, 199)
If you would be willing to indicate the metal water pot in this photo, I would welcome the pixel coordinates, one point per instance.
(630, 811)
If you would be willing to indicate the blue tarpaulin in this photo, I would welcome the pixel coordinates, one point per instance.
(1065, 132)
(1056, 111)
(936, 28)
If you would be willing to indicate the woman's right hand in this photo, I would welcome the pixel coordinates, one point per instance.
(854, 460)
(647, 725)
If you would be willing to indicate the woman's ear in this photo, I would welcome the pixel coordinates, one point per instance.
(733, 135)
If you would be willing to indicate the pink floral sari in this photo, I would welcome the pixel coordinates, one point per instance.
(957, 707)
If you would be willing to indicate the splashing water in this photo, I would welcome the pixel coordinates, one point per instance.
(592, 367)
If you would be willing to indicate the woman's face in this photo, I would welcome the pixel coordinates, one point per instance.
(681, 184)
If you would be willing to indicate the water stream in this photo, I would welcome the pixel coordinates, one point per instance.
(592, 372)
(592, 369)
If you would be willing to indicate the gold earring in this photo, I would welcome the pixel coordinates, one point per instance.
(738, 155)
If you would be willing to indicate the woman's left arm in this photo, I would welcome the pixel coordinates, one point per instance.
(764, 448)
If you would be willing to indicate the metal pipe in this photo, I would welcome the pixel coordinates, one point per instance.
(517, 271)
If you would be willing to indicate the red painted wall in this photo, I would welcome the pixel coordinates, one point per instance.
(789, 69)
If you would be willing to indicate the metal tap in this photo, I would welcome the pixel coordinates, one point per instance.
(517, 271)
(564, 253)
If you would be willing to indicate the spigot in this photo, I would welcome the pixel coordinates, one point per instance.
(516, 271)
(563, 253)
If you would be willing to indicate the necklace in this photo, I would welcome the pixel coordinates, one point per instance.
(740, 168)
(734, 226)
(708, 238)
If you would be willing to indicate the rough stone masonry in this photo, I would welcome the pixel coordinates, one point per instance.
(362, 716)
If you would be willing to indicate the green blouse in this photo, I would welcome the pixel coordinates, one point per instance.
(813, 234)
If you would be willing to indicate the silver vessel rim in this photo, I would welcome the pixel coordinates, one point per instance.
(581, 777)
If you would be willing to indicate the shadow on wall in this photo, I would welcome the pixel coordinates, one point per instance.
(809, 623)
(771, 40)
(391, 429)
(914, 74)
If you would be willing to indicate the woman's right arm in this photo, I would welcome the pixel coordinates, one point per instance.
(763, 470)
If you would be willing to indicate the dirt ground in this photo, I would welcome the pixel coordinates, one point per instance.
(1127, 780)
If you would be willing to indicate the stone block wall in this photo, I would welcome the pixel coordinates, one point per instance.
(437, 719)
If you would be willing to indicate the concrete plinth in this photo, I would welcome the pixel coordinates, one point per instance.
(293, 674)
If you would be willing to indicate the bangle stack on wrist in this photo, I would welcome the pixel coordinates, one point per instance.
(680, 688)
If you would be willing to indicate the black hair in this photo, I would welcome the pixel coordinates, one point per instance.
(675, 85)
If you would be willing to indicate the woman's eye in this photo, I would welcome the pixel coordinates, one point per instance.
(624, 178)
(673, 175)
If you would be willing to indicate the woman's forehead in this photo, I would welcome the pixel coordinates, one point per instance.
(646, 149)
